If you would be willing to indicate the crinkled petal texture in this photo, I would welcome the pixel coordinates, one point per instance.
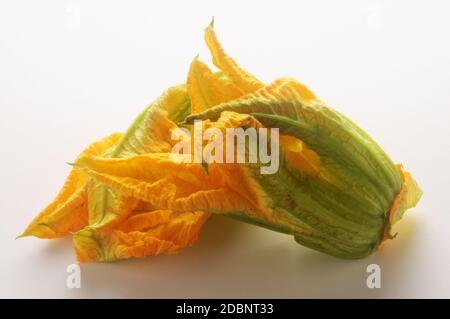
(151, 132)
(171, 183)
(207, 89)
(68, 212)
(116, 230)
(246, 82)
(144, 234)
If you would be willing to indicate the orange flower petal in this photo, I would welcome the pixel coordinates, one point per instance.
(68, 212)
(164, 233)
(246, 82)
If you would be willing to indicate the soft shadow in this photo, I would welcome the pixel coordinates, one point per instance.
(164, 275)
(224, 263)
(56, 247)
(331, 277)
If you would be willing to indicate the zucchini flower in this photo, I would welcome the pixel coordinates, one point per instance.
(332, 188)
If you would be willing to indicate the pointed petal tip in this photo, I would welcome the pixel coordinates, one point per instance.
(24, 234)
(28, 232)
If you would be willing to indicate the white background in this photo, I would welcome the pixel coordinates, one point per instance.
(72, 72)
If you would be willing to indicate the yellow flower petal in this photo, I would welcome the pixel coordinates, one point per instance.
(152, 233)
(206, 89)
(246, 82)
(407, 198)
(151, 132)
(166, 184)
(146, 220)
(68, 212)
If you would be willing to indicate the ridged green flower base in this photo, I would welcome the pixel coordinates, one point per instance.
(347, 214)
